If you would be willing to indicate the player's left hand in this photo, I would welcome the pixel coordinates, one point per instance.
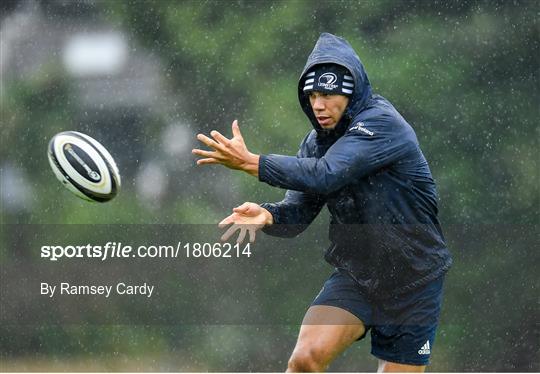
(231, 153)
(246, 218)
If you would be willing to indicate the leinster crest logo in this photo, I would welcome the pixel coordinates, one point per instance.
(327, 81)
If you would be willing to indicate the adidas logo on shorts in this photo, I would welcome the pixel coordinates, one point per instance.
(425, 349)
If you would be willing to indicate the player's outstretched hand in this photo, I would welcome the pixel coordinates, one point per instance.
(248, 217)
(231, 153)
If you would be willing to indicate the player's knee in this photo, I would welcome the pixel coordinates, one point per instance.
(308, 360)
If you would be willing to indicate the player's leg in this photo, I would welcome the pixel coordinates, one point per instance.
(393, 367)
(326, 331)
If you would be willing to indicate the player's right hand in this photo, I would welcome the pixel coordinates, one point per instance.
(248, 217)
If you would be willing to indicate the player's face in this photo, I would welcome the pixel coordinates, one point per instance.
(328, 108)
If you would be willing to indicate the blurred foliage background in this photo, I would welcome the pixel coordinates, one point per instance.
(144, 77)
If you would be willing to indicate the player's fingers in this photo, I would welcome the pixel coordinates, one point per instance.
(202, 152)
(242, 235)
(242, 208)
(243, 212)
(219, 138)
(252, 232)
(207, 161)
(207, 141)
(229, 232)
(226, 221)
(236, 129)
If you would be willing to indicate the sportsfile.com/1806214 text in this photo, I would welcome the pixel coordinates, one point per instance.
(112, 250)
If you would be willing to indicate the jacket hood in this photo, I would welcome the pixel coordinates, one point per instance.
(333, 49)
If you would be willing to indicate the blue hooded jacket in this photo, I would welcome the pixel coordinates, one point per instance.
(375, 181)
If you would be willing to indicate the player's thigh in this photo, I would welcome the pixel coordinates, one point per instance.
(406, 334)
(328, 330)
(394, 367)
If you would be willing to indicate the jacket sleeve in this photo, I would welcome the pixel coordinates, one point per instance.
(293, 214)
(296, 211)
(363, 149)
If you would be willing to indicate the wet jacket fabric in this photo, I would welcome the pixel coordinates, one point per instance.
(372, 176)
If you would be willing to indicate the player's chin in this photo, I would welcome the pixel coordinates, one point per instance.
(329, 126)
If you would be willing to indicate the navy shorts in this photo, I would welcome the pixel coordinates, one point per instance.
(402, 327)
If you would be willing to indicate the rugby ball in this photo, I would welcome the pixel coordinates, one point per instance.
(84, 166)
